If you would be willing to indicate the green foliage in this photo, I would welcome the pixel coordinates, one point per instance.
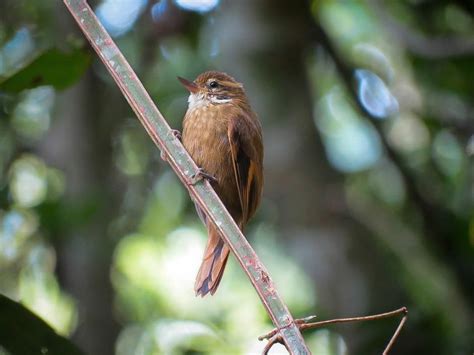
(170, 337)
(28, 83)
(51, 67)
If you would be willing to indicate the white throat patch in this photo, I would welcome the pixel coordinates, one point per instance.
(196, 101)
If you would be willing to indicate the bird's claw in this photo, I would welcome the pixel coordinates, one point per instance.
(176, 134)
(200, 175)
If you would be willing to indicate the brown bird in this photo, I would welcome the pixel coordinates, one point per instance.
(224, 137)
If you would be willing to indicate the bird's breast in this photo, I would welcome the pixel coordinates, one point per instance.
(205, 138)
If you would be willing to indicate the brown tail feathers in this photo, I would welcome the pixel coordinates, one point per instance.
(213, 264)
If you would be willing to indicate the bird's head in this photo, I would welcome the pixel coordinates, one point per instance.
(213, 87)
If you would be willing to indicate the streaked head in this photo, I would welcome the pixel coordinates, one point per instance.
(213, 87)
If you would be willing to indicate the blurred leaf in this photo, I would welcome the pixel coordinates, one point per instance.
(171, 337)
(52, 67)
(22, 332)
(161, 214)
(16, 227)
(31, 117)
(181, 336)
(60, 216)
(326, 342)
(39, 290)
(28, 181)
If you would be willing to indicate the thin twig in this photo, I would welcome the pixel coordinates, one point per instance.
(202, 192)
(397, 332)
(273, 336)
(298, 322)
(276, 338)
(320, 324)
(402, 310)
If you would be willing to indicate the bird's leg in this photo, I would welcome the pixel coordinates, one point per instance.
(200, 175)
(275, 337)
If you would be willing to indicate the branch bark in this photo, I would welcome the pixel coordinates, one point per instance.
(202, 193)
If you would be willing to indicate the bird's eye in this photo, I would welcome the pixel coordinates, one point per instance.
(213, 84)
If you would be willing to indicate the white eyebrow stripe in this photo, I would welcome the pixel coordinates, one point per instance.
(216, 100)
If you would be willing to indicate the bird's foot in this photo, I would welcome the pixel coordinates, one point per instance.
(200, 175)
(176, 133)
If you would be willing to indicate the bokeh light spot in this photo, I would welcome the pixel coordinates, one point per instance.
(408, 133)
(132, 154)
(16, 226)
(385, 180)
(326, 342)
(447, 153)
(16, 51)
(165, 205)
(28, 184)
(373, 58)
(351, 144)
(32, 116)
(470, 146)
(42, 295)
(171, 335)
(119, 16)
(159, 9)
(197, 5)
(374, 95)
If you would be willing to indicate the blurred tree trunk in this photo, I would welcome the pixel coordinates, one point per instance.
(85, 253)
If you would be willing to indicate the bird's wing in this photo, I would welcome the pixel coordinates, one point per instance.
(245, 138)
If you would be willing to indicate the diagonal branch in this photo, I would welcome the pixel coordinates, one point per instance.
(202, 193)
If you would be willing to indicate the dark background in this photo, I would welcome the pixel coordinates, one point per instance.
(368, 119)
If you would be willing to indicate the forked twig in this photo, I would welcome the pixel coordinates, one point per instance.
(274, 336)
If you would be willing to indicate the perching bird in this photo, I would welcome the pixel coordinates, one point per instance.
(224, 137)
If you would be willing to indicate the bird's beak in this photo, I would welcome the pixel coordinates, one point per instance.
(191, 86)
